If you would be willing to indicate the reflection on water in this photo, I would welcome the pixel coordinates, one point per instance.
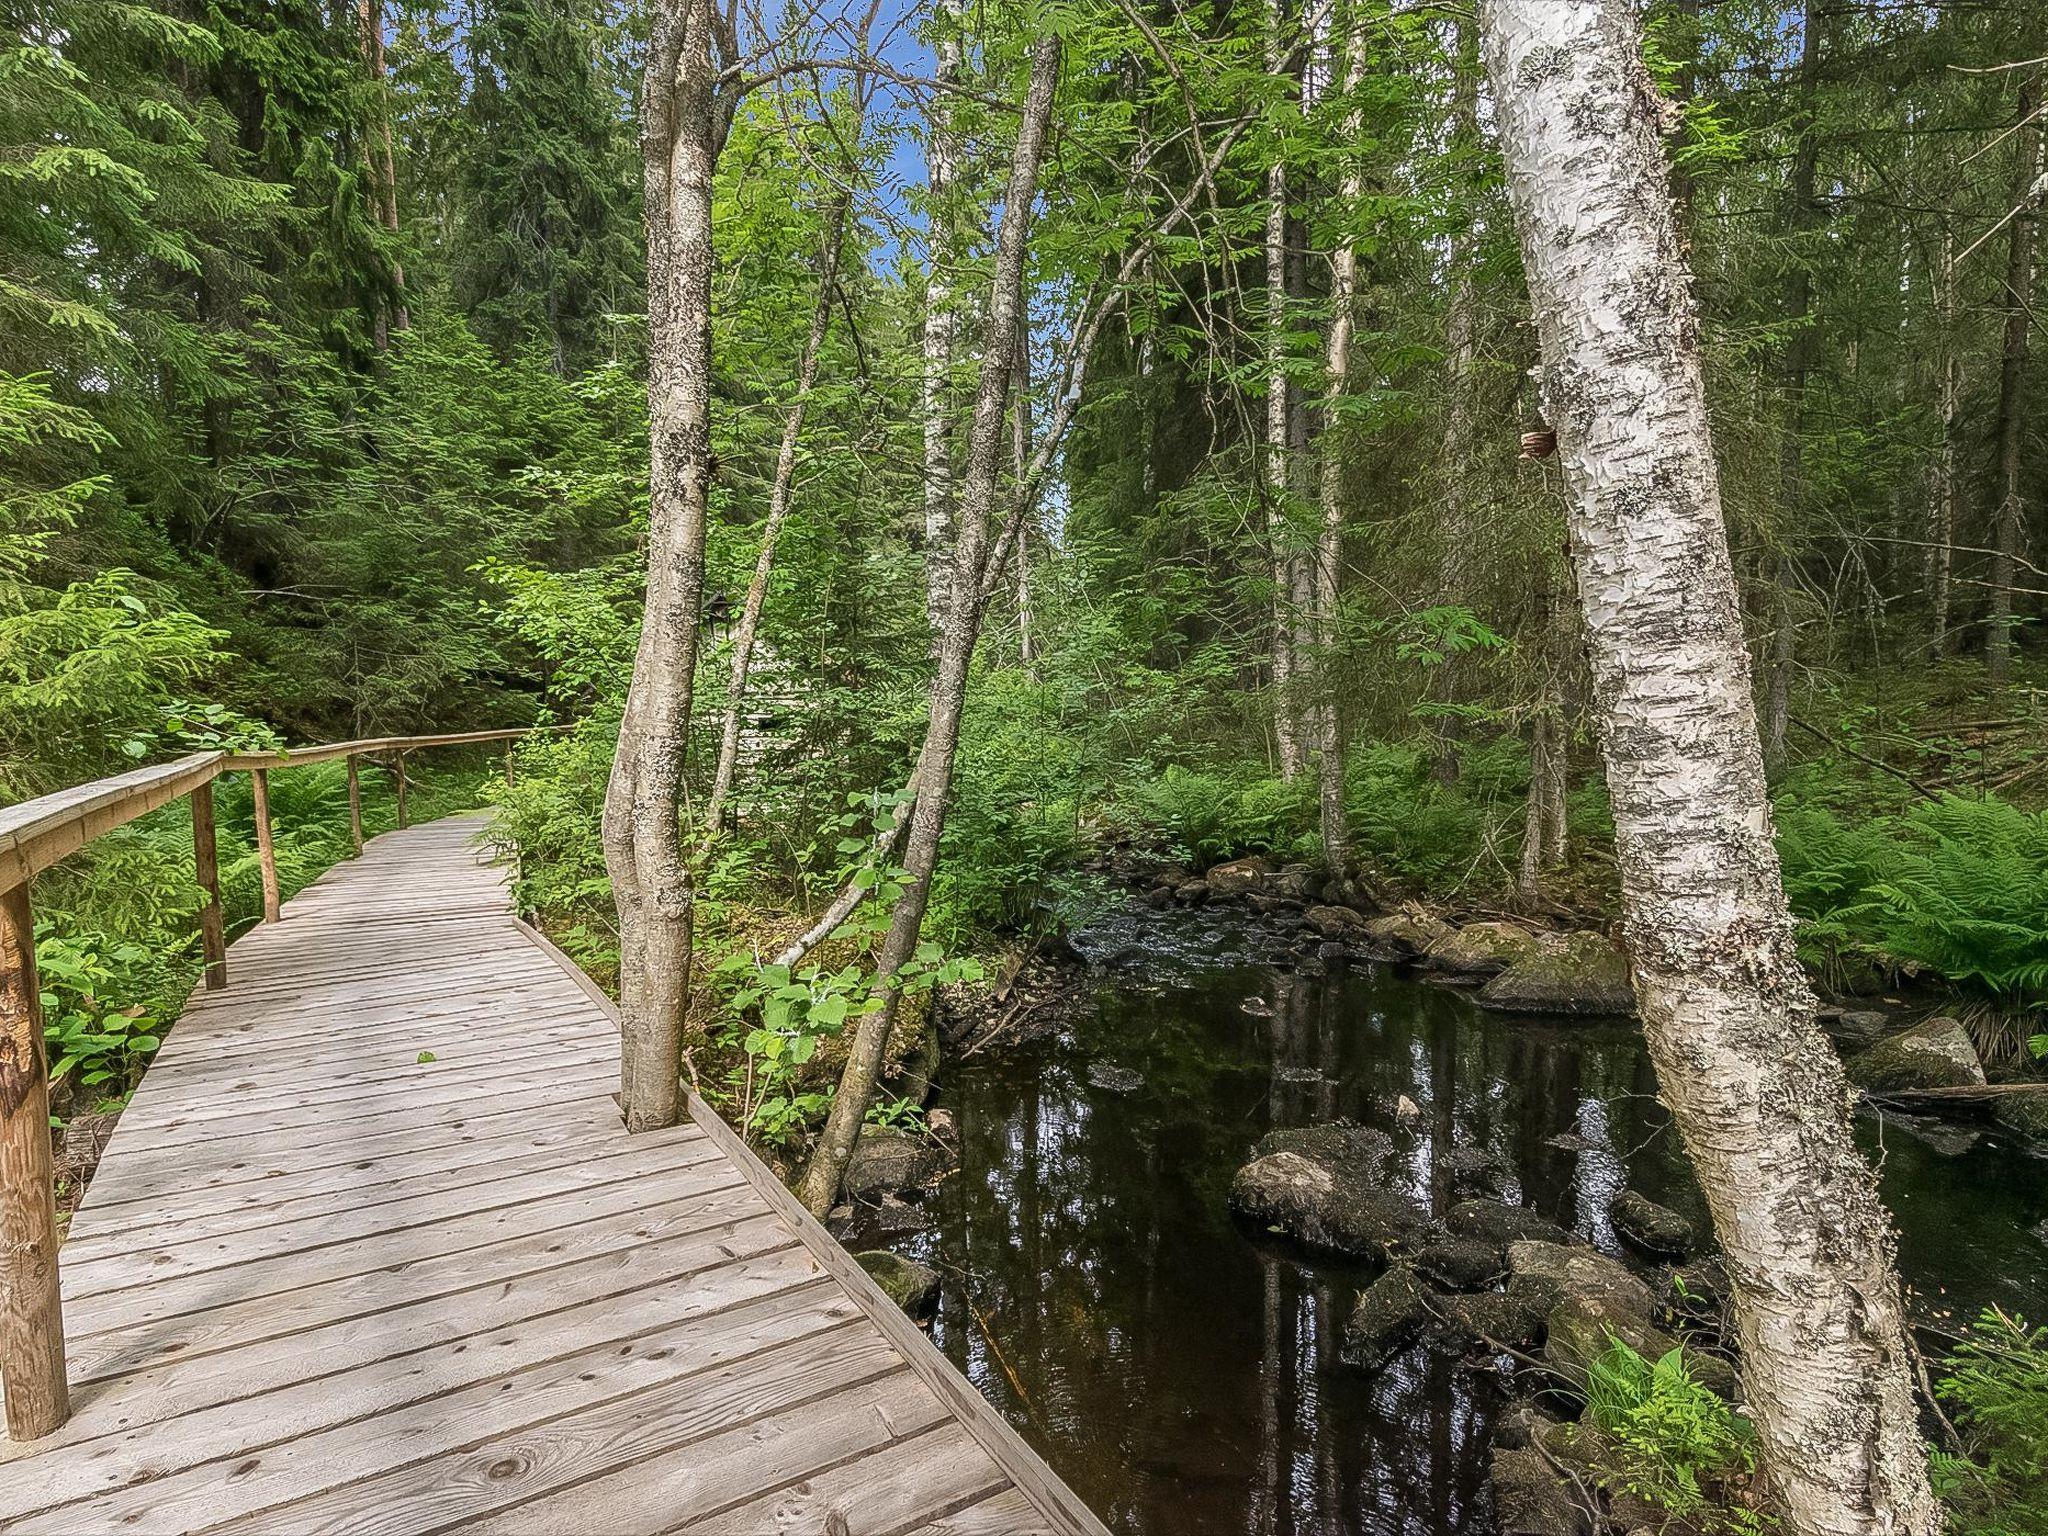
(1181, 1378)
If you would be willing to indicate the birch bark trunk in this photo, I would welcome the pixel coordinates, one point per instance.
(683, 128)
(942, 158)
(1336, 832)
(820, 1185)
(1280, 536)
(779, 493)
(1753, 1087)
(2009, 526)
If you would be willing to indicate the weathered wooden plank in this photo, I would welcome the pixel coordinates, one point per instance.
(353, 1190)
(633, 1184)
(343, 1221)
(903, 1484)
(705, 1352)
(1007, 1514)
(31, 1319)
(179, 1411)
(681, 1445)
(146, 1181)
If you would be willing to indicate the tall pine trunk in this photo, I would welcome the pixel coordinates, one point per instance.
(1276, 460)
(1335, 827)
(2009, 525)
(971, 541)
(1754, 1089)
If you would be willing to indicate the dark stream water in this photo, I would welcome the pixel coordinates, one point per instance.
(1183, 1378)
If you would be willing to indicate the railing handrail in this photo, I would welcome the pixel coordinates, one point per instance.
(38, 833)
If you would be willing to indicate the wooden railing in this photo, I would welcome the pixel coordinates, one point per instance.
(34, 836)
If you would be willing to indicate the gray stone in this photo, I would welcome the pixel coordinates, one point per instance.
(1354, 1150)
(1113, 1079)
(1307, 1201)
(1935, 1053)
(2026, 1113)
(1579, 1271)
(1857, 1029)
(1295, 884)
(912, 1286)
(890, 1161)
(1581, 974)
(1191, 892)
(1651, 1228)
(1512, 1319)
(1388, 1314)
(1483, 949)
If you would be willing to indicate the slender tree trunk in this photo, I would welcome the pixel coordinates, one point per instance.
(1942, 504)
(942, 169)
(779, 493)
(1336, 832)
(1279, 524)
(821, 1180)
(2009, 526)
(1461, 333)
(683, 129)
(1020, 466)
(1799, 360)
(1755, 1090)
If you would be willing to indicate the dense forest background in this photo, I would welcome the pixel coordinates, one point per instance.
(324, 414)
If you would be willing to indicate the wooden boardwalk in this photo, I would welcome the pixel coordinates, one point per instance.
(370, 1252)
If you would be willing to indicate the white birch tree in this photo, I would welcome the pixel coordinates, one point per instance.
(1754, 1088)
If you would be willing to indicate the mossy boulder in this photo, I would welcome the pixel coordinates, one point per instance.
(1410, 931)
(1238, 878)
(1461, 1263)
(1935, 1053)
(890, 1161)
(1532, 1498)
(1335, 922)
(1484, 949)
(1580, 974)
(912, 1286)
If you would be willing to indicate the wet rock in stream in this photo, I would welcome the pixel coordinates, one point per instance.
(1651, 1228)
(1935, 1053)
(1387, 1315)
(1582, 974)
(1326, 1187)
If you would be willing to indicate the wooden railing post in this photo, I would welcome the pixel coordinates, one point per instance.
(355, 805)
(399, 767)
(511, 766)
(266, 849)
(213, 938)
(31, 1314)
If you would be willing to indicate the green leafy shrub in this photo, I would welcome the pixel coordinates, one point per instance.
(1953, 886)
(1206, 817)
(99, 1031)
(1671, 1441)
(1408, 825)
(1997, 1387)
